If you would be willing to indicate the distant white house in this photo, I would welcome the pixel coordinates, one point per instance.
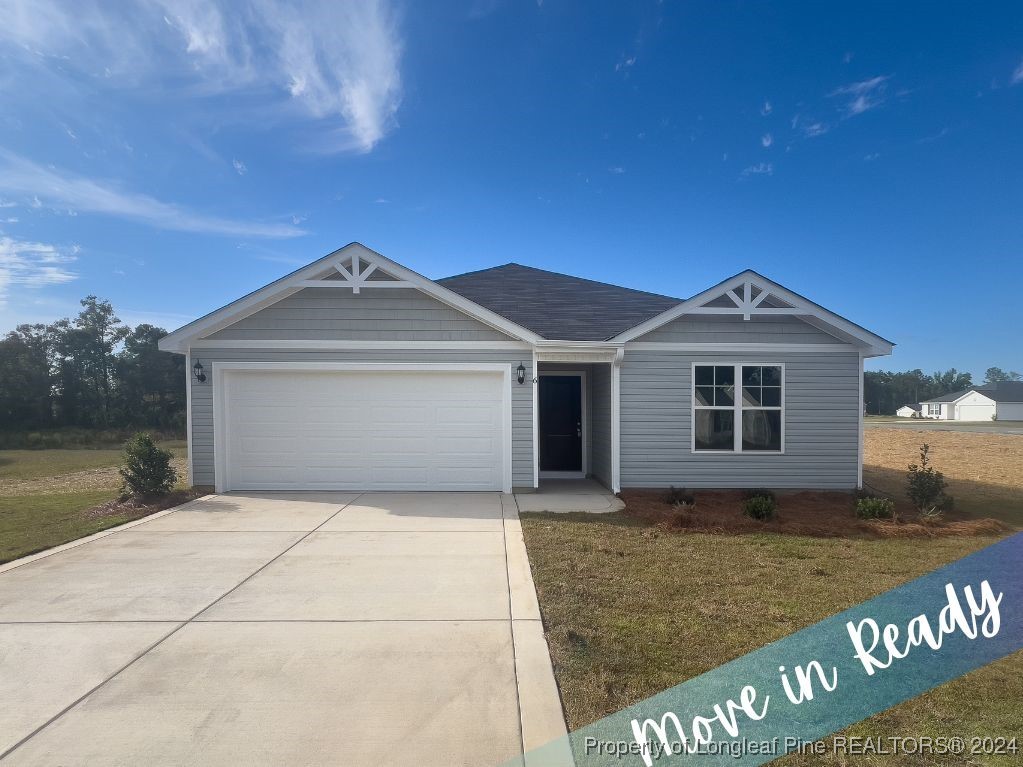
(1002, 401)
(909, 411)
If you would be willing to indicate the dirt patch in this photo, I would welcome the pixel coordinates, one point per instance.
(818, 514)
(141, 507)
(77, 481)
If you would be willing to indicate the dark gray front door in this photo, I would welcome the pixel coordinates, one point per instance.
(561, 422)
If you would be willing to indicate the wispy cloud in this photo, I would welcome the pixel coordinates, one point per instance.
(334, 61)
(1017, 75)
(766, 140)
(239, 167)
(616, 169)
(19, 176)
(33, 264)
(809, 127)
(760, 169)
(625, 63)
(864, 95)
(766, 109)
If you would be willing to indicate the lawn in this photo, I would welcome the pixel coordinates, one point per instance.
(631, 608)
(45, 496)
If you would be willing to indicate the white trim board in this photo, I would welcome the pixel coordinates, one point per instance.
(183, 337)
(363, 345)
(221, 370)
(673, 346)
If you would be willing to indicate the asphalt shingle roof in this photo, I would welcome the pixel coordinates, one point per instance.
(1000, 391)
(558, 306)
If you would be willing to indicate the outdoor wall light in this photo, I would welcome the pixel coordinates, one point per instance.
(520, 373)
(198, 372)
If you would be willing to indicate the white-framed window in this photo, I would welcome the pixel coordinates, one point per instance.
(934, 409)
(738, 407)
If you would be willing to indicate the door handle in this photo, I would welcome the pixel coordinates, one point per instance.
(578, 429)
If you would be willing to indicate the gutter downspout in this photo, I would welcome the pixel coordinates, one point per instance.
(616, 458)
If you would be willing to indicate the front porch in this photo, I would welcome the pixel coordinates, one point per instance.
(569, 495)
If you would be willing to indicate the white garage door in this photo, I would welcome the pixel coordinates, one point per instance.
(976, 412)
(362, 430)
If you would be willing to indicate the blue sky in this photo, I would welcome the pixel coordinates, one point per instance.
(173, 155)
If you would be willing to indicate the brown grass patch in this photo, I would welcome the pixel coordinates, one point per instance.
(135, 508)
(984, 471)
(818, 514)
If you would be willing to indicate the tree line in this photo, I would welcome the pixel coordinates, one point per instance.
(884, 392)
(92, 371)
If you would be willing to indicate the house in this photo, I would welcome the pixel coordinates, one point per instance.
(1002, 401)
(909, 411)
(355, 372)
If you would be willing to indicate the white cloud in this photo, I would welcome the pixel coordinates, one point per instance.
(8, 204)
(616, 169)
(333, 61)
(1017, 75)
(766, 109)
(760, 169)
(864, 95)
(21, 176)
(625, 62)
(239, 167)
(33, 265)
(809, 127)
(766, 140)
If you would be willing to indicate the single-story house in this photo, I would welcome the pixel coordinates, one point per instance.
(1002, 401)
(355, 372)
(909, 411)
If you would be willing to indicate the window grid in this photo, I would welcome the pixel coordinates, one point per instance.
(748, 387)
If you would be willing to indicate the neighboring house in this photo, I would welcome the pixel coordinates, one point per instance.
(909, 411)
(1002, 401)
(357, 373)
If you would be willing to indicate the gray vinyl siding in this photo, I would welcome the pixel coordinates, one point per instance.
(732, 328)
(323, 314)
(202, 395)
(600, 423)
(821, 423)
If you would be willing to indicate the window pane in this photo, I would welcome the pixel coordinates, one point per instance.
(704, 395)
(715, 430)
(750, 395)
(704, 375)
(771, 375)
(751, 375)
(761, 430)
(724, 395)
(771, 396)
(724, 374)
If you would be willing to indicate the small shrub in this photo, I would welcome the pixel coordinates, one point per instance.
(147, 469)
(762, 507)
(679, 496)
(927, 486)
(873, 507)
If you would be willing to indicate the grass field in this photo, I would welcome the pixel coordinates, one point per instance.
(631, 609)
(44, 495)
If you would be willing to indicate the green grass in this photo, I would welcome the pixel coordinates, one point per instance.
(631, 610)
(45, 494)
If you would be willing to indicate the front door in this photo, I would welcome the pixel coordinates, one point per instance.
(561, 423)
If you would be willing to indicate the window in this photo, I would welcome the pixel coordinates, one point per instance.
(934, 409)
(738, 408)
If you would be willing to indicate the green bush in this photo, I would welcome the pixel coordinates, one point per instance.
(679, 496)
(758, 492)
(147, 469)
(762, 507)
(927, 486)
(873, 507)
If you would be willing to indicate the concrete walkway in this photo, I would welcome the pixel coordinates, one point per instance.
(304, 628)
(564, 496)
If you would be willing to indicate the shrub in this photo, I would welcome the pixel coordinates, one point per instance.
(147, 469)
(873, 507)
(927, 486)
(679, 496)
(762, 507)
(758, 492)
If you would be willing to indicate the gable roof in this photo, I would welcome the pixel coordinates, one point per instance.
(1003, 391)
(950, 397)
(558, 306)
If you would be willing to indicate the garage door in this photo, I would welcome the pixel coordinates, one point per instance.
(976, 412)
(362, 430)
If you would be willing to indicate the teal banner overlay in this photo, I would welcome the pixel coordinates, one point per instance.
(822, 679)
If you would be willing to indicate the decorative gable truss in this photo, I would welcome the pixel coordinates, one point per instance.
(750, 294)
(356, 272)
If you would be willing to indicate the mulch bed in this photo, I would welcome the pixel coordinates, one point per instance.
(818, 514)
(141, 507)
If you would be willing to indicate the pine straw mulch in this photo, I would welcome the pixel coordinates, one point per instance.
(135, 508)
(818, 514)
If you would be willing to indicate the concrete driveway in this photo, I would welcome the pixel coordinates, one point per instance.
(303, 628)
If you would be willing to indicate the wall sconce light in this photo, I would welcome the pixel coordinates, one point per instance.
(198, 372)
(520, 373)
